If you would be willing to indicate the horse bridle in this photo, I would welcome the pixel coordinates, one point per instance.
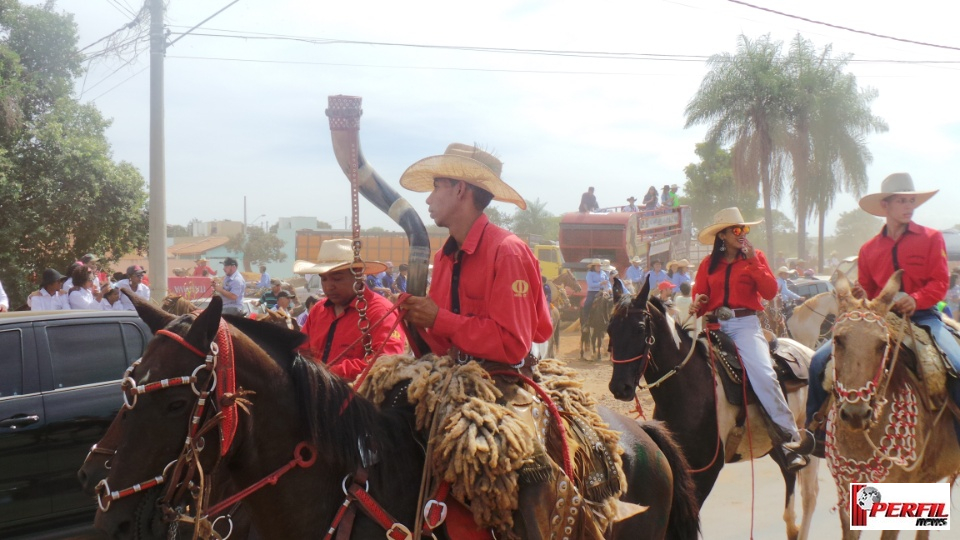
(868, 391)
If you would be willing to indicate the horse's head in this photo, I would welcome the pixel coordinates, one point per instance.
(861, 349)
(630, 341)
(177, 305)
(164, 418)
(567, 279)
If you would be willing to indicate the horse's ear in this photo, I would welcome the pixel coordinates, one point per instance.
(640, 300)
(617, 291)
(842, 289)
(205, 328)
(881, 304)
(156, 319)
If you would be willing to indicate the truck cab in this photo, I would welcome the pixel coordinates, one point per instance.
(551, 260)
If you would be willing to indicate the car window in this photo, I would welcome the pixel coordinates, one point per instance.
(133, 341)
(11, 363)
(86, 354)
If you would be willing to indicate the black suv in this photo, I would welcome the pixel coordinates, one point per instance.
(59, 390)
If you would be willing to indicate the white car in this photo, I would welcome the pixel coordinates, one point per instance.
(249, 305)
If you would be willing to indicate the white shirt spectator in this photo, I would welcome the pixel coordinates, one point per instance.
(83, 299)
(116, 306)
(48, 302)
(4, 300)
(142, 291)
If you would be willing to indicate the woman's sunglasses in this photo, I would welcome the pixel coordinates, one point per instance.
(738, 230)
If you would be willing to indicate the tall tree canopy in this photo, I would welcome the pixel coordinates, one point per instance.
(710, 186)
(61, 193)
(260, 246)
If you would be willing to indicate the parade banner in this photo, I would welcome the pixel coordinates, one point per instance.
(190, 288)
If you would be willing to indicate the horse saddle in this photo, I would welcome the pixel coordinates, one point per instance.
(788, 363)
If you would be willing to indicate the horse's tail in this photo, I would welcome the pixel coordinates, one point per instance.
(684, 521)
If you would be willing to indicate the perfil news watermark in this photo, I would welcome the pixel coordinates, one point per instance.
(902, 507)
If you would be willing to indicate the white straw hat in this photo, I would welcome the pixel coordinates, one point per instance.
(895, 184)
(336, 254)
(727, 217)
(466, 163)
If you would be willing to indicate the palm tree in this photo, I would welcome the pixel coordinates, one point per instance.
(744, 98)
(829, 117)
(534, 220)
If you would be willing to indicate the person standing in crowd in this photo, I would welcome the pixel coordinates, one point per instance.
(657, 274)
(783, 274)
(665, 196)
(82, 294)
(269, 297)
(681, 302)
(90, 260)
(547, 291)
(331, 328)
(901, 244)
(50, 297)
(400, 284)
(631, 205)
(284, 301)
(265, 280)
(203, 268)
(68, 283)
(111, 298)
(732, 281)
(4, 300)
(615, 280)
(231, 288)
(134, 282)
(588, 201)
(386, 278)
(375, 283)
(650, 199)
(307, 305)
(674, 196)
(634, 273)
(681, 275)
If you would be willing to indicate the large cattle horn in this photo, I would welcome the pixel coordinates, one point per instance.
(344, 113)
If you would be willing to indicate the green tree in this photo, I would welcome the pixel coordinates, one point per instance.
(177, 230)
(61, 194)
(854, 228)
(710, 186)
(498, 217)
(743, 100)
(259, 246)
(535, 220)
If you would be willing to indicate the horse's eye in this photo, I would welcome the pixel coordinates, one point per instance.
(838, 342)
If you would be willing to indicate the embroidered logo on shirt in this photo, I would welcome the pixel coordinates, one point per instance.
(520, 288)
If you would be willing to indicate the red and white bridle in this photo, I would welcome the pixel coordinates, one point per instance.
(867, 392)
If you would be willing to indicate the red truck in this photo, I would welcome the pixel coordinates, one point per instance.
(663, 234)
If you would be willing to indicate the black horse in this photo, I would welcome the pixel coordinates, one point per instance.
(647, 343)
(595, 326)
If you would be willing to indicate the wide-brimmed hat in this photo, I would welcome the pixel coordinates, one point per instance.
(631, 199)
(728, 217)
(671, 264)
(596, 262)
(202, 260)
(336, 254)
(636, 258)
(466, 163)
(683, 263)
(783, 270)
(50, 275)
(895, 184)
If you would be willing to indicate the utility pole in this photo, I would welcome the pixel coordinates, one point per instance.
(158, 189)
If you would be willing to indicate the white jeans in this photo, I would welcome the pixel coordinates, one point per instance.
(755, 353)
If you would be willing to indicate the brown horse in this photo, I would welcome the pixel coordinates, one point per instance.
(647, 344)
(177, 305)
(309, 423)
(880, 428)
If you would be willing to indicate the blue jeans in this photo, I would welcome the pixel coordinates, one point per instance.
(587, 304)
(929, 319)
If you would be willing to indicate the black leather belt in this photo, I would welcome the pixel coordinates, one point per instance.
(739, 312)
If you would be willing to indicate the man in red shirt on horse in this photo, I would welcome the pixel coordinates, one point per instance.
(333, 334)
(901, 245)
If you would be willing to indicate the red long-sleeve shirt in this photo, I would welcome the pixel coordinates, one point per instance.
(502, 307)
(325, 348)
(750, 281)
(920, 252)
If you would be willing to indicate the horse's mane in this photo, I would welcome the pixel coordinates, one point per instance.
(335, 418)
(627, 299)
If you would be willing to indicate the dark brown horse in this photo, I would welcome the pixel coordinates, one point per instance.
(595, 326)
(295, 401)
(646, 343)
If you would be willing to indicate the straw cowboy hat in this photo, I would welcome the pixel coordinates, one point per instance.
(783, 270)
(336, 254)
(683, 263)
(727, 217)
(202, 260)
(466, 163)
(594, 262)
(895, 184)
(671, 264)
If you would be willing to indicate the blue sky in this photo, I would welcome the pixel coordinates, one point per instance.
(246, 116)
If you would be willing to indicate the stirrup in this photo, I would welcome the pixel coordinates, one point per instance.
(803, 447)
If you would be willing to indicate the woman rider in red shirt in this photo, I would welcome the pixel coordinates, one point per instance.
(729, 286)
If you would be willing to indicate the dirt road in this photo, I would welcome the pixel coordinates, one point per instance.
(741, 490)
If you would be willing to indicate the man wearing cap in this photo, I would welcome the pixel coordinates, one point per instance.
(783, 273)
(400, 283)
(634, 274)
(231, 288)
(332, 328)
(134, 283)
(632, 207)
(203, 269)
(674, 197)
(50, 297)
(901, 245)
(269, 298)
(657, 274)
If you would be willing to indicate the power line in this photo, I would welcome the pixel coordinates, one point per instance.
(114, 87)
(132, 24)
(848, 29)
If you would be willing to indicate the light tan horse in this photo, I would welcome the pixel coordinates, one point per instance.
(880, 428)
(812, 320)
(177, 305)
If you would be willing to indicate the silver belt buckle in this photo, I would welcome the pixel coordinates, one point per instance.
(724, 313)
